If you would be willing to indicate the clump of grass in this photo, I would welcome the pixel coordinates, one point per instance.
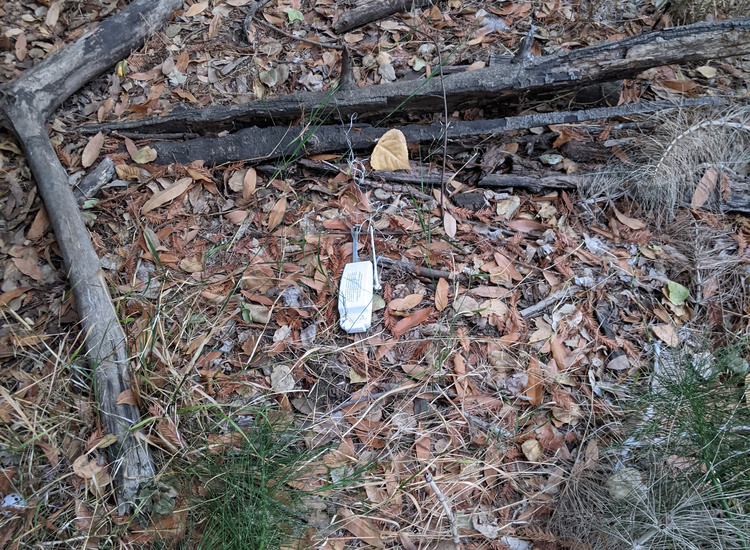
(693, 11)
(250, 493)
(665, 167)
(681, 477)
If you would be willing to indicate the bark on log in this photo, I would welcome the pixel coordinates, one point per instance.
(371, 10)
(498, 84)
(262, 144)
(25, 105)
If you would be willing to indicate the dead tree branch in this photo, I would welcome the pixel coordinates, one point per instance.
(262, 144)
(371, 10)
(25, 105)
(501, 83)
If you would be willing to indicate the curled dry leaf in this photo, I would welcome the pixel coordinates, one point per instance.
(92, 150)
(449, 223)
(534, 390)
(21, 49)
(390, 152)
(667, 334)
(277, 213)
(249, 182)
(127, 397)
(441, 295)
(142, 156)
(125, 172)
(705, 188)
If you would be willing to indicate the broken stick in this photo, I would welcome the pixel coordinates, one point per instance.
(25, 105)
(501, 83)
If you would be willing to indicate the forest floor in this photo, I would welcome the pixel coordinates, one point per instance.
(509, 326)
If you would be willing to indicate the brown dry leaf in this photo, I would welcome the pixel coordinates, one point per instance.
(726, 187)
(235, 180)
(558, 352)
(53, 13)
(390, 152)
(127, 397)
(130, 147)
(667, 334)
(526, 226)
(707, 71)
(413, 320)
(408, 302)
(236, 216)
(361, 528)
(238, 3)
(630, 222)
(532, 450)
(449, 224)
(196, 9)
(214, 26)
(353, 38)
(83, 517)
(8, 297)
(441, 295)
(92, 149)
(534, 390)
(21, 49)
(39, 226)
(29, 267)
(506, 267)
(277, 213)
(182, 62)
(249, 182)
(87, 468)
(167, 195)
(705, 188)
(126, 172)
(680, 86)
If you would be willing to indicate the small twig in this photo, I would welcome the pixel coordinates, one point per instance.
(305, 40)
(425, 272)
(377, 396)
(549, 300)
(445, 118)
(448, 511)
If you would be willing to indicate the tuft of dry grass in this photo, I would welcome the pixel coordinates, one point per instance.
(664, 168)
(694, 11)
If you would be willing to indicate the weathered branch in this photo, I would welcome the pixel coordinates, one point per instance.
(499, 84)
(262, 144)
(25, 105)
(371, 10)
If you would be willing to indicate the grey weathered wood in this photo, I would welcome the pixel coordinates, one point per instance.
(496, 85)
(25, 105)
(262, 144)
(94, 181)
(366, 11)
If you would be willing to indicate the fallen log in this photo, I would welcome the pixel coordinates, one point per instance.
(25, 105)
(371, 10)
(263, 144)
(498, 84)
